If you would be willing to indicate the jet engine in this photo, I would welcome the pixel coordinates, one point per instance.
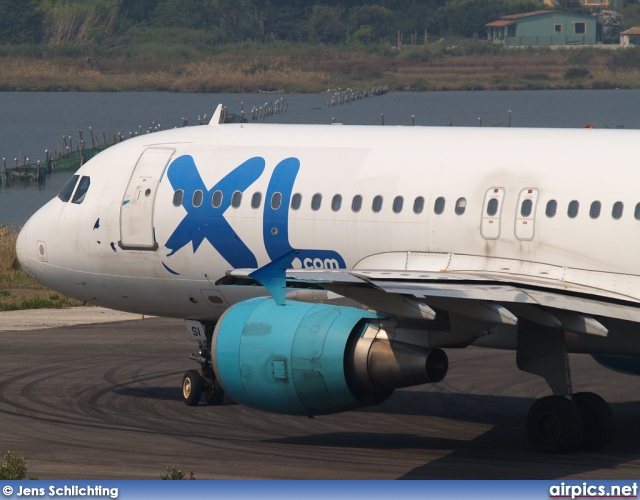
(622, 364)
(314, 359)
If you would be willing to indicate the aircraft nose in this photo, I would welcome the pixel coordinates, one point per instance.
(22, 248)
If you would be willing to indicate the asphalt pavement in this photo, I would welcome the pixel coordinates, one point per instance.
(102, 401)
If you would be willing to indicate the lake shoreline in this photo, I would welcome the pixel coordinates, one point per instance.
(318, 69)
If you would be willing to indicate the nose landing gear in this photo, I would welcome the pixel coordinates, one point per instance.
(195, 382)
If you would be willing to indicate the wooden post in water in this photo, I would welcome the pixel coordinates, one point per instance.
(48, 162)
(509, 121)
(382, 118)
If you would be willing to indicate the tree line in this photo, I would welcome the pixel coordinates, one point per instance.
(228, 21)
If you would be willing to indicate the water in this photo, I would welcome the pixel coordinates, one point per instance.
(31, 122)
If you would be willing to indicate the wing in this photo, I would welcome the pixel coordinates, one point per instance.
(487, 298)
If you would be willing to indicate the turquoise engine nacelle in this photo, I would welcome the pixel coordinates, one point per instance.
(313, 359)
(287, 359)
(623, 364)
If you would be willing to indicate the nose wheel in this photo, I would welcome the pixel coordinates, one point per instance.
(213, 393)
(195, 383)
(191, 387)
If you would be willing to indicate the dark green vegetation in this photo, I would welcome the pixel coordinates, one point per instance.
(225, 21)
(286, 45)
(109, 23)
(175, 474)
(13, 467)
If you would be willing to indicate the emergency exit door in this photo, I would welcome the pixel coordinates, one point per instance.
(492, 213)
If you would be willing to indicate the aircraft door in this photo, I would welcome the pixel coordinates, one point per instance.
(525, 214)
(136, 210)
(491, 212)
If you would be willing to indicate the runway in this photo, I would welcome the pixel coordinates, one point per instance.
(103, 401)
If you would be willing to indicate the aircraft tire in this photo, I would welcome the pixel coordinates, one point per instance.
(214, 394)
(191, 387)
(554, 425)
(597, 420)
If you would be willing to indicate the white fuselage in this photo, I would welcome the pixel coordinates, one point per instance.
(74, 247)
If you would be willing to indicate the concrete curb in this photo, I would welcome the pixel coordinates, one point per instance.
(36, 319)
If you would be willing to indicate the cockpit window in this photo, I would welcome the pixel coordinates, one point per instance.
(81, 192)
(67, 190)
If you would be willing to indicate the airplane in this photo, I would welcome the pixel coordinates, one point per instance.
(321, 267)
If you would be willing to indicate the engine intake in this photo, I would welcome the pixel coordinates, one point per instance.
(314, 359)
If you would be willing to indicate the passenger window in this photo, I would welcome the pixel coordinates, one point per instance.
(196, 201)
(594, 211)
(256, 200)
(276, 200)
(618, 207)
(336, 203)
(525, 209)
(178, 196)
(492, 207)
(552, 207)
(572, 212)
(438, 207)
(67, 190)
(356, 204)
(296, 201)
(216, 199)
(376, 206)
(316, 202)
(418, 205)
(636, 213)
(236, 199)
(398, 203)
(81, 192)
(461, 206)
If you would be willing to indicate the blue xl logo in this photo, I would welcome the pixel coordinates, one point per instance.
(208, 222)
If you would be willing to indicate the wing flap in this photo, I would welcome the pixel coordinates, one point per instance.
(533, 298)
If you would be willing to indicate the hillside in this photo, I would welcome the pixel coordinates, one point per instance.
(286, 45)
